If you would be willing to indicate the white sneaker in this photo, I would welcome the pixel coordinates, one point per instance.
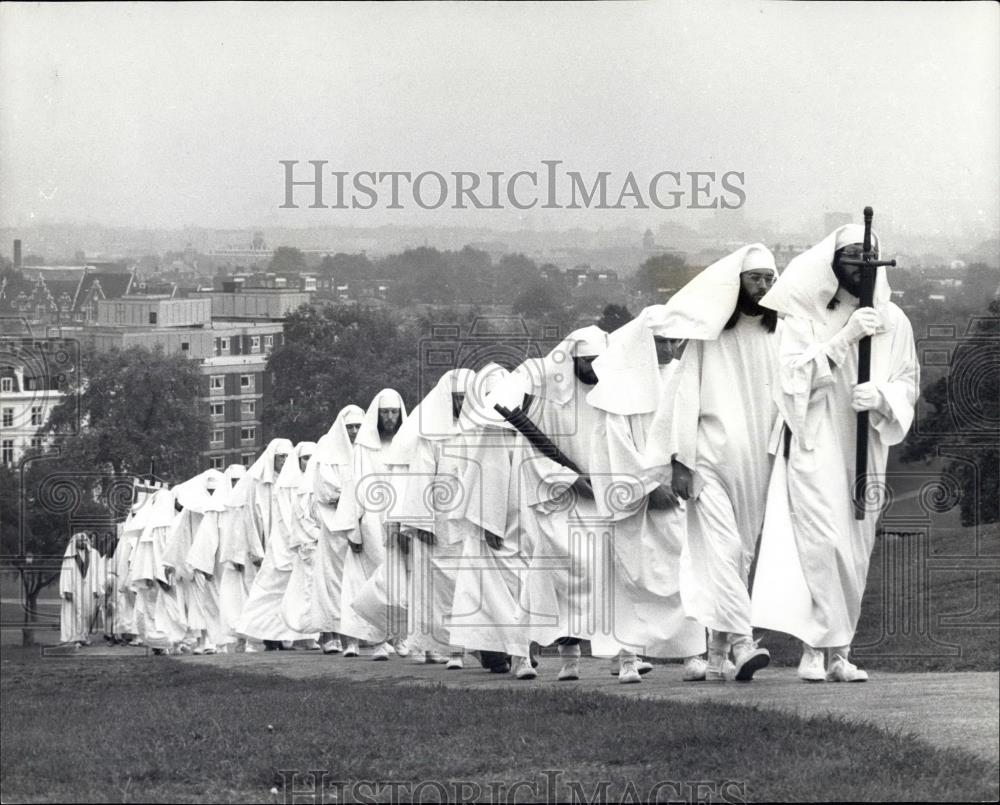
(811, 666)
(390, 648)
(380, 653)
(455, 663)
(629, 673)
(436, 659)
(312, 645)
(198, 651)
(642, 666)
(401, 648)
(695, 670)
(352, 649)
(250, 648)
(332, 647)
(843, 670)
(749, 658)
(523, 669)
(570, 671)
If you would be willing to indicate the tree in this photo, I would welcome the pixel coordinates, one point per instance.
(964, 420)
(662, 271)
(332, 356)
(287, 259)
(613, 317)
(138, 405)
(538, 299)
(126, 409)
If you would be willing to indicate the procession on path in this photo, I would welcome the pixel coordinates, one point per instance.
(712, 467)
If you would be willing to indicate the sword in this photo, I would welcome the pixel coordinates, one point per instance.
(869, 265)
(538, 440)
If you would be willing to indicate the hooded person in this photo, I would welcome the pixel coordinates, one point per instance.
(430, 489)
(373, 542)
(637, 380)
(298, 606)
(486, 614)
(203, 558)
(254, 507)
(719, 421)
(148, 575)
(261, 618)
(564, 589)
(81, 589)
(332, 484)
(181, 612)
(125, 626)
(814, 554)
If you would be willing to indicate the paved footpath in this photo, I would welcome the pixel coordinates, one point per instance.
(952, 710)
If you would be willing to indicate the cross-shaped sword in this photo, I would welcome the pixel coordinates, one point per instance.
(869, 265)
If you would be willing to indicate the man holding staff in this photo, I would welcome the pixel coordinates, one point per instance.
(814, 553)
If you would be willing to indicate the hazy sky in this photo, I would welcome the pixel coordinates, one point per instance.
(173, 115)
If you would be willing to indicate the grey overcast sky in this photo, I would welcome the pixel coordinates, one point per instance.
(174, 115)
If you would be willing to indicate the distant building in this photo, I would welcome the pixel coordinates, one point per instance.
(29, 390)
(230, 335)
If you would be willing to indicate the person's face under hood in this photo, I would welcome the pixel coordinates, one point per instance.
(279, 461)
(583, 368)
(304, 461)
(849, 277)
(457, 398)
(352, 431)
(388, 422)
(753, 287)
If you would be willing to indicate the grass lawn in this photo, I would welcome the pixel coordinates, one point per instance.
(156, 730)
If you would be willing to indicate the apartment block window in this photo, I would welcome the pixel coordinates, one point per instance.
(246, 383)
(217, 384)
(248, 408)
(218, 436)
(8, 417)
(248, 434)
(255, 343)
(224, 346)
(152, 317)
(218, 462)
(185, 346)
(36, 442)
(247, 459)
(6, 384)
(36, 415)
(268, 341)
(218, 410)
(7, 452)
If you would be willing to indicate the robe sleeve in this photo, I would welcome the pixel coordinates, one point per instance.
(621, 481)
(804, 376)
(900, 387)
(66, 578)
(682, 400)
(201, 555)
(486, 483)
(328, 484)
(415, 488)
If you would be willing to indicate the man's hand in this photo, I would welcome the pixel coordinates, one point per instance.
(495, 542)
(682, 484)
(426, 537)
(584, 488)
(863, 322)
(662, 498)
(357, 547)
(867, 397)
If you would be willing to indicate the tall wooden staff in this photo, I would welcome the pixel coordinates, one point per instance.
(869, 266)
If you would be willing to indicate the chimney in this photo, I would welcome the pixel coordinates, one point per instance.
(17, 254)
